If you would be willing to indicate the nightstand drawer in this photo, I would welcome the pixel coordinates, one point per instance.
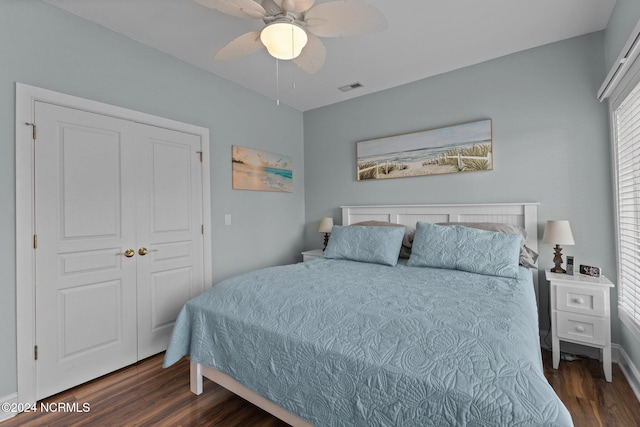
(581, 328)
(581, 300)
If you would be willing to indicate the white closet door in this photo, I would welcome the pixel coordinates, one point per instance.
(119, 220)
(169, 218)
(85, 220)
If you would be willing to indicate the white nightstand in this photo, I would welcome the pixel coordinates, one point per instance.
(312, 254)
(580, 314)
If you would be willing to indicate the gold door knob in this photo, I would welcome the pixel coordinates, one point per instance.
(129, 253)
(142, 251)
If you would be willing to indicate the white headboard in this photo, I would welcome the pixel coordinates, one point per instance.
(523, 215)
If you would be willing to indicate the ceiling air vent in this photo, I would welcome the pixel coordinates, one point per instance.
(352, 86)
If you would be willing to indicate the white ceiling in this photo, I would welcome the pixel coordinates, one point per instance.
(423, 38)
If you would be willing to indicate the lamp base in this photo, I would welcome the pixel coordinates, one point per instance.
(326, 240)
(557, 260)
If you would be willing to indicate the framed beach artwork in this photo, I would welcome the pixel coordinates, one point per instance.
(452, 149)
(261, 171)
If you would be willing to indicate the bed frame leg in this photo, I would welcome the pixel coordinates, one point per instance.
(196, 378)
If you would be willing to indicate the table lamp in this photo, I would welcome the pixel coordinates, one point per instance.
(558, 232)
(326, 225)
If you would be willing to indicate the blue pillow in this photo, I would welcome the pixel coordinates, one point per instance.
(374, 244)
(467, 249)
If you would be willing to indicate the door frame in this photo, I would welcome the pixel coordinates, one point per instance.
(26, 97)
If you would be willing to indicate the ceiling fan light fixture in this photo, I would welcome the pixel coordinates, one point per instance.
(284, 40)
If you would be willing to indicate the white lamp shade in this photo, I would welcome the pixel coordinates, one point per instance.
(558, 232)
(326, 225)
(284, 40)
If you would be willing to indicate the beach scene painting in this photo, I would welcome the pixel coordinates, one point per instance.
(261, 171)
(460, 148)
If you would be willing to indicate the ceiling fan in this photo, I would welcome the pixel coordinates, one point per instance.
(293, 27)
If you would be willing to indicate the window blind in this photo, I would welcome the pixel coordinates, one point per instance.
(627, 158)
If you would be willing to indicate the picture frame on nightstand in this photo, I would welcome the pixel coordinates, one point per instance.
(570, 265)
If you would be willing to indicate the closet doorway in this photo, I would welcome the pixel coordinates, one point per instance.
(119, 242)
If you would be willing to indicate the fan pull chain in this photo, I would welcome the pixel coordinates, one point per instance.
(293, 42)
(277, 81)
(293, 80)
(293, 75)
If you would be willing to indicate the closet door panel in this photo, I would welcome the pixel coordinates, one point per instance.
(85, 219)
(169, 210)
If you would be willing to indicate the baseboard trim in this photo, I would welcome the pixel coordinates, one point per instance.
(629, 370)
(8, 399)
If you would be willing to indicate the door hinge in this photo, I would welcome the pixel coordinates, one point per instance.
(35, 241)
(33, 129)
(202, 228)
(35, 352)
(200, 153)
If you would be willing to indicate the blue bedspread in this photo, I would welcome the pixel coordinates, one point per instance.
(342, 343)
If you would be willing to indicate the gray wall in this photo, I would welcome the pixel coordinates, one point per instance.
(43, 46)
(623, 20)
(550, 136)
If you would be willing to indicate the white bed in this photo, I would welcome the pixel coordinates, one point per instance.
(522, 215)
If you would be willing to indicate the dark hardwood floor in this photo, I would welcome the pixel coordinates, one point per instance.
(591, 400)
(144, 394)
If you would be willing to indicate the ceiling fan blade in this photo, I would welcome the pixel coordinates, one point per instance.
(295, 5)
(344, 18)
(240, 8)
(303, 5)
(244, 45)
(312, 57)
